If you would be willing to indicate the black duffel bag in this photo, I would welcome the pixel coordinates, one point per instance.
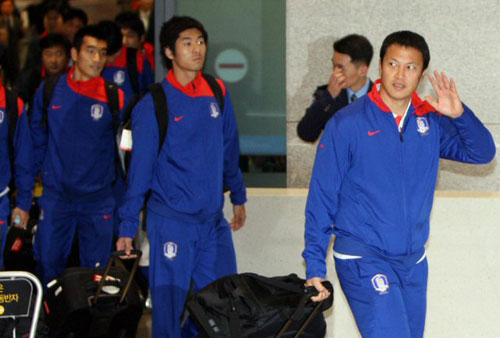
(251, 306)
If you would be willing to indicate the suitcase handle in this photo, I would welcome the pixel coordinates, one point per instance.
(114, 256)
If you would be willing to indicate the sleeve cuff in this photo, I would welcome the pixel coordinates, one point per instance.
(24, 202)
(238, 198)
(128, 229)
(315, 268)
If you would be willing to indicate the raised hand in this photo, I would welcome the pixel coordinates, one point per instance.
(448, 102)
(337, 82)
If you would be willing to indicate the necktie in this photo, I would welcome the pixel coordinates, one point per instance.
(353, 97)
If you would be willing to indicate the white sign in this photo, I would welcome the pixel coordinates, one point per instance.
(231, 65)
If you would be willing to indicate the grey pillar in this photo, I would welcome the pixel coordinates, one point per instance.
(164, 10)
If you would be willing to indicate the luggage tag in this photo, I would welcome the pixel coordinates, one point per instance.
(126, 140)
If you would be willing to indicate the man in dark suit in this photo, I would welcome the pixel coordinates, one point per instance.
(351, 59)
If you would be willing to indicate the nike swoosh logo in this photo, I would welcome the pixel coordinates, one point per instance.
(178, 118)
(56, 107)
(371, 133)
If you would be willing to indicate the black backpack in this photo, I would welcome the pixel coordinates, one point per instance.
(251, 306)
(161, 112)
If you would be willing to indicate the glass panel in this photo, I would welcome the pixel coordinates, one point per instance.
(246, 41)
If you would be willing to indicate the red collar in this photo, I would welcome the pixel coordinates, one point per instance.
(3, 101)
(121, 60)
(421, 107)
(93, 88)
(189, 89)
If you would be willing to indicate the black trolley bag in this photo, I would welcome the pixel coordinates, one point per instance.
(90, 302)
(248, 305)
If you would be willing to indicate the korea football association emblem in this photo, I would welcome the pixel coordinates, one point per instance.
(380, 283)
(2, 115)
(96, 111)
(170, 250)
(422, 125)
(214, 110)
(119, 77)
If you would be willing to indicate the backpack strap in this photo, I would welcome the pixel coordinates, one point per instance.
(216, 89)
(114, 106)
(161, 111)
(132, 69)
(12, 115)
(113, 101)
(48, 91)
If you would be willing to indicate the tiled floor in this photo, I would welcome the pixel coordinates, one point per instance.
(144, 330)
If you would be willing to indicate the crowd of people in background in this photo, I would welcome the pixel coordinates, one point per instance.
(22, 35)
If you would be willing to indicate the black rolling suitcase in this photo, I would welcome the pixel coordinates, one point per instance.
(251, 306)
(90, 302)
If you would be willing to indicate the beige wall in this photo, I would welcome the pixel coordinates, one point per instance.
(464, 39)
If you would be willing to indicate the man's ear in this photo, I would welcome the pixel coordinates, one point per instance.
(363, 69)
(380, 68)
(74, 54)
(169, 54)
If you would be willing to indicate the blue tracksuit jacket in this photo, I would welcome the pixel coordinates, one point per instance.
(23, 165)
(373, 187)
(76, 154)
(198, 157)
(117, 72)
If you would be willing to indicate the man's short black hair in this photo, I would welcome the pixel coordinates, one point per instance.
(53, 7)
(52, 40)
(131, 20)
(91, 30)
(113, 35)
(76, 13)
(407, 39)
(356, 46)
(171, 30)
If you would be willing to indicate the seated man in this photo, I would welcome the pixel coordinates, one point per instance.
(351, 59)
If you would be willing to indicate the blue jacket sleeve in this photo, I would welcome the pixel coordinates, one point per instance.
(330, 166)
(466, 139)
(23, 162)
(144, 155)
(233, 179)
(39, 132)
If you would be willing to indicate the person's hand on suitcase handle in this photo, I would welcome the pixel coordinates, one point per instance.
(20, 218)
(323, 293)
(125, 244)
